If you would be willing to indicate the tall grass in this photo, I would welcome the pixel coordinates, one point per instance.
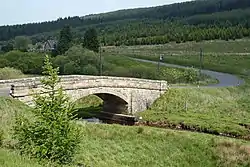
(10, 158)
(115, 145)
(217, 110)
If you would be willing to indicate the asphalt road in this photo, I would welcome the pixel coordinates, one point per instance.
(225, 80)
(4, 91)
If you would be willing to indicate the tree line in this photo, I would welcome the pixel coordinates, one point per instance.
(201, 14)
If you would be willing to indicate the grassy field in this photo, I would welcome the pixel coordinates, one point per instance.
(226, 56)
(125, 67)
(115, 145)
(211, 110)
(217, 46)
(216, 110)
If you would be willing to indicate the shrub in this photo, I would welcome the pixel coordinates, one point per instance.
(60, 61)
(53, 134)
(71, 68)
(28, 63)
(191, 75)
(89, 70)
(10, 73)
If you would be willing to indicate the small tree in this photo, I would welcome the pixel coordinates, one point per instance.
(90, 40)
(52, 134)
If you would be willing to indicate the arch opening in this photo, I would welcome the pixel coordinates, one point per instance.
(104, 108)
(113, 103)
(102, 102)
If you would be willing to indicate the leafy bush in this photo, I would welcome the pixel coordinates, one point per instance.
(191, 75)
(10, 73)
(90, 70)
(71, 68)
(52, 134)
(79, 61)
(60, 62)
(28, 63)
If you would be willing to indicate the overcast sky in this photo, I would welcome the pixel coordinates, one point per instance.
(26, 11)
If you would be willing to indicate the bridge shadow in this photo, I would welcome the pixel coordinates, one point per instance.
(94, 108)
(88, 112)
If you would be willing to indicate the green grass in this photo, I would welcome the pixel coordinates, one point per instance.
(217, 110)
(10, 158)
(125, 67)
(232, 56)
(215, 46)
(115, 145)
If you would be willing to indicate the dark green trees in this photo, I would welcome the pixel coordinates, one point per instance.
(7, 48)
(90, 40)
(65, 40)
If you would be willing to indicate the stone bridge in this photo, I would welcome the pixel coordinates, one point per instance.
(119, 95)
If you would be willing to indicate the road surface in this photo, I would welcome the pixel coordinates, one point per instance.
(225, 80)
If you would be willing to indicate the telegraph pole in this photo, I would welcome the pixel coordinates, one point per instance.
(160, 60)
(201, 61)
(100, 52)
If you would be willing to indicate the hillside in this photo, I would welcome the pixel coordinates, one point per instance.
(180, 22)
(115, 145)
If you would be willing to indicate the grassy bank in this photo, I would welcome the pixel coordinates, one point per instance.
(217, 110)
(115, 145)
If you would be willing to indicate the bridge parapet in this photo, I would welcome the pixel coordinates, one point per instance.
(136, 94)
(72, 82)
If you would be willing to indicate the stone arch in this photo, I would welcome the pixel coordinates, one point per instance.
(113, 101)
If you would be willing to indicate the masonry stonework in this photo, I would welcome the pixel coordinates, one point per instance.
(137, 94)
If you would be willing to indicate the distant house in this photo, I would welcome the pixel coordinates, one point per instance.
(49, 45)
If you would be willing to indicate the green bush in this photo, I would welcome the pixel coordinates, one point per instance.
(79, 61)
(10, 73)
(52, 134)
(60, 61)
(89, 70)
(28, 63)
(71, 68)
